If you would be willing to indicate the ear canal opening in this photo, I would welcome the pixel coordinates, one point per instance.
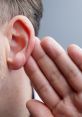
(18, 43)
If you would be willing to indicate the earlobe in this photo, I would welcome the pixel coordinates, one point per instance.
(20, 33)
(17, 62)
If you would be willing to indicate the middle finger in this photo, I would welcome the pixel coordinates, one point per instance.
(53, 75)
(63, 62)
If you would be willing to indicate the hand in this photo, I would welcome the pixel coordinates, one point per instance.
(57, 77)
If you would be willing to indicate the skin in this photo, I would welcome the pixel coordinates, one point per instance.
(16, 44)
(57, 77)
(55, 74)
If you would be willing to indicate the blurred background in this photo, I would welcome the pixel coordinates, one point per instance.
(62, 20)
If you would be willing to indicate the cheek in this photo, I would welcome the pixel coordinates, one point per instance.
(4, 50)
(3, 64)
(19, 86)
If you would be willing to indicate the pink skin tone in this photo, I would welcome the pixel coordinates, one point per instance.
(16, 45)
(57, 77)
(55, 74)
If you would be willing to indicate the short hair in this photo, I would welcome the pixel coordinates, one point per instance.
(33, 9)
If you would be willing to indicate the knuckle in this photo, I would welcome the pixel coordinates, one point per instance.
(53, 76)
(64, 109)
(41, 57)
(43, 88)
(77, 101)
(72, 73)
(59, 55)
(57, 108)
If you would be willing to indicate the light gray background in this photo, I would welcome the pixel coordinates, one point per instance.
(62, 20)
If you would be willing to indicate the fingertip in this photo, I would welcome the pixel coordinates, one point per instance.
(46, 40)
(38, 109)
(70, 48)
(29, 103)
(74, 49)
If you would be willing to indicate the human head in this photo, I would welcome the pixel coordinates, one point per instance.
(19, 25)
(32, 9)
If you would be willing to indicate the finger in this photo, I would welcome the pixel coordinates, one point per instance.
(63, 62)
(43, 88)
(75, 52)
(38, 109)
(50, 70)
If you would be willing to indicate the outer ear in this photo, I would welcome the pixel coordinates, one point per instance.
(20, 33)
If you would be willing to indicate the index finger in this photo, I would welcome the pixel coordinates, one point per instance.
(41, 85)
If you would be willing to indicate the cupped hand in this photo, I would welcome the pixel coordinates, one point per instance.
(57, 77)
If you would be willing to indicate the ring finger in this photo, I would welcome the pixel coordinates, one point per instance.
(71, 72)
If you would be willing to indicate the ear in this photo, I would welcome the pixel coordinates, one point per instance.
(20, 33)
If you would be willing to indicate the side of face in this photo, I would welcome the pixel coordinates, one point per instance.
(17, 40)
